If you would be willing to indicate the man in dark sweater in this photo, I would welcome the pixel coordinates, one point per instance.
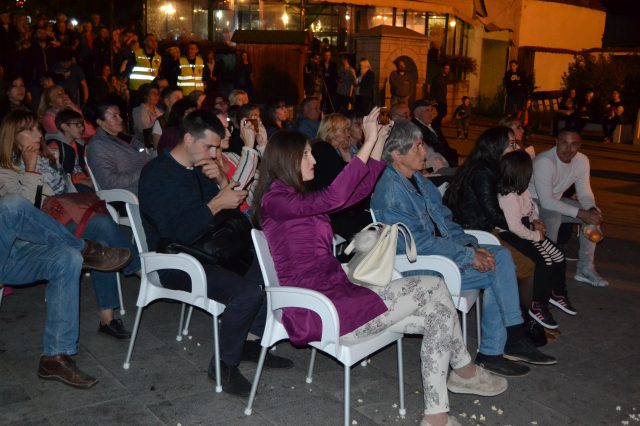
(439, 95)
(423, 118)
(514, 85)
(180, 192)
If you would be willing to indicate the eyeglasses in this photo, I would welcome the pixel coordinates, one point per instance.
(282, 107)
(77, 124)
(222, 103)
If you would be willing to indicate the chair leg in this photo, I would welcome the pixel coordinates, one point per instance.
(216, 350)
(179, 336)
(313, 360)
(134, 334)
(120, 294)
(1, 294)
(402, 410)
(479, 320)
(256, 380)
(186, 326)
(464, 328)
(347, 393)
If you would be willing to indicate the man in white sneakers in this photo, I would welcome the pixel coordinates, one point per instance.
(554, 171)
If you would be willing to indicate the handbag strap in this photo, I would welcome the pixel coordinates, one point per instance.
(38, 200)
(86, 216)
(412, 252)
(352, 244)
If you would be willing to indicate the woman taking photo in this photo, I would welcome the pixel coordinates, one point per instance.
(276, 117)
(27, 164)
(12, 94)
(296, 225)
(364, 87)
(54, 100)
(115, 159)
(147, 113)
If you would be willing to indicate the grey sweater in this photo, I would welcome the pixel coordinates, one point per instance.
(115, 163)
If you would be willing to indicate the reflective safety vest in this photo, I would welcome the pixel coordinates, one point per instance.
(190, 77)
(144, 72)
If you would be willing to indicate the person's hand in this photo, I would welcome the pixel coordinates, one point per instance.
(345, 151)
(30, 158)
(261, 137)
(212, 170)
(590, 217)
(384, 132)
(227, 198)
(370, 125)
(539, 226)
(87, 182)
(247, 133)
(484, 261)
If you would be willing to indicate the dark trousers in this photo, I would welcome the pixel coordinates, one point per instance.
(513, 103)
(609, 125)
(243, 297)
(551, 266)
(341, 103)
(363, 104)
(441, 108)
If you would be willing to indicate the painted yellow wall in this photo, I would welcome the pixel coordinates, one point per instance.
(549, 68)
(560, 25)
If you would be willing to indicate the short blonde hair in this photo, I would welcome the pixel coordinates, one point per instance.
(233, 96)
(330, 126)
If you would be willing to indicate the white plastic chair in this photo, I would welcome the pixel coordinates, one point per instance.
(151, 289)
(348, 351)
(108, 196)
(337, 240)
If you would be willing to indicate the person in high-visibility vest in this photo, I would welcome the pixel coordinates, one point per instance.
(191, 70)
(143, 64)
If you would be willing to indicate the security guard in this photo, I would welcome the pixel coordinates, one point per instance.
(191, 70)
(143, 64)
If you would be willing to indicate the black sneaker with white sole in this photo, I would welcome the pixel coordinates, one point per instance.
(540, 313)
(525, 351)
(562, 302)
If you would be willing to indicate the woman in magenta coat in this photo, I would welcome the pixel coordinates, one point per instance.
(296, 224)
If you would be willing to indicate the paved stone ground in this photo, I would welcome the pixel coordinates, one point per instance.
(597, 371)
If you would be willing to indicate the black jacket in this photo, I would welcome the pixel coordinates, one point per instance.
(366, 85)
(439, 88)
(477, 206)
(438, 143)
(330, 75)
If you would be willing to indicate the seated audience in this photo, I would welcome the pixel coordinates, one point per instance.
(54, 100)
(526, 232)
(295, 221)
(422, 117)
(181, 192)
(515, 124)
(198, 97)
(309, 121)
(554, 171)
(46, 82)
(35, 167)
(251, 113)
(276, 116)
(217, 101)
(115, 158)
(68, 147)
(12, 94)
(404, 195)
(171, 134)
(568, 106)
(147, 112)
(169, 97)
(587, 112)
(356, 135)
(35, 247)
(238, 97)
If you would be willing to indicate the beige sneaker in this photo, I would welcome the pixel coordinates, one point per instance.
(452, 422)
(484, 383)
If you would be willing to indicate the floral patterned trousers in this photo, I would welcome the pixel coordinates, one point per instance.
(423, 305)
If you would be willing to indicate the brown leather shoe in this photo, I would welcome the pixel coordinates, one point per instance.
(550, 336)
(105, 259)
(63, 369)
(555, 332)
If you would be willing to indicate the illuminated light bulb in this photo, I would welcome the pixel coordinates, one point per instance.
(285, 18)
(347, 17)
(170, 9)
(452, 23)
(378, 16)
(74, 22)
(219, 14)
(182, 18)
(163, 8)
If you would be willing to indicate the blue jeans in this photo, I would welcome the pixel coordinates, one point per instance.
(35, 247)
(103, 230)
(500, 304)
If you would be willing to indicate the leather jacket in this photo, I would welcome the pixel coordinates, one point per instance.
(477, 206)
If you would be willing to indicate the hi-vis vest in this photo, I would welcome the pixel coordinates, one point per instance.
(190, 77)
(144, 72)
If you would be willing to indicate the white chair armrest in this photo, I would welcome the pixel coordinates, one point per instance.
(483, 237)
(295, 297)
(443, 265)
(152, 261)
(114, 214)
(112, 195)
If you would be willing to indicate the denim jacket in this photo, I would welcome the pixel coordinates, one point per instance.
(395, 200)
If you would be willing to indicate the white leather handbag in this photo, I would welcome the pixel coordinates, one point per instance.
(375, 256)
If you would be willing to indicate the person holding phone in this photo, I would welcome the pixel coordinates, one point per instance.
(250, 113)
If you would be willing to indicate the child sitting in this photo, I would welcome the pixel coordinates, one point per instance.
(68, 146)
(527, 235)
(462, 113)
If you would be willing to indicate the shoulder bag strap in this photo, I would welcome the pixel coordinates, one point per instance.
(410, 244)
(38, 201)
(86, 216)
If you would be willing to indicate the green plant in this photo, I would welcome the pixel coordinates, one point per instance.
(604, 73)
(460, 66)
